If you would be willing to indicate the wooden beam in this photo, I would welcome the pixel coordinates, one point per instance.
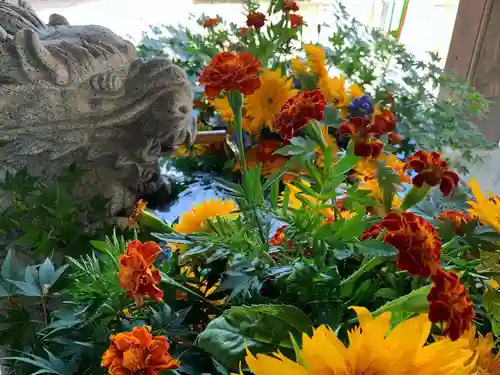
(210, 137)
(468, 32)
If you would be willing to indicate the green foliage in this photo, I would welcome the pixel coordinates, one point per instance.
(370, 58)
(261, 328)
(46, 218)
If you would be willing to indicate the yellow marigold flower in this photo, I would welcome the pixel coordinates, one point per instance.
(266, 102)
(372, 350)
(298, 67)
(376, 193)
(180, 151)
(316, 59)
(222, 106)
(330, 142)
(487, 363)
(494, 284)
(366, 168)
(487, 211)
(202, 287)
(293, 200)
(195, 220)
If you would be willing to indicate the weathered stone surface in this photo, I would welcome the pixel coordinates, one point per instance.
(73, 92)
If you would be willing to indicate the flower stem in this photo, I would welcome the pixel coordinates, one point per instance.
(236, 103)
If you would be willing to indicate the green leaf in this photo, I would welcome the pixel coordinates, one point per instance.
(376, 248)
(261, 328)
(27, 289)
(491, 301)
(45, 273)
(414, 302)
(12, 269)
(274, 178)
(345, 164)
(414, 196)
(388, 180)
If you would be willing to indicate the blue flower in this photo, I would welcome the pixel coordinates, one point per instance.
(247, 142)
(362, 106)
(297, 83)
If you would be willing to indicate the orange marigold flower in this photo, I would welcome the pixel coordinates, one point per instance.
(457, 218)
(138, 352)
(256, 19)
(368, 149)
(395, 138)
(432, 170)
(137, 275)
(298, 111)
(296, 21)
(450, 303)
(416, 240)
(290, 6)
(243, 31)
(211, 22)
(231, 71)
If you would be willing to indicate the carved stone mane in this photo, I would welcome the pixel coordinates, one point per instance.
(68, 92)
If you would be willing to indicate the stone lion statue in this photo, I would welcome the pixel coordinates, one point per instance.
(70, 93)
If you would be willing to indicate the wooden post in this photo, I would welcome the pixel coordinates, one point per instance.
(475, 54)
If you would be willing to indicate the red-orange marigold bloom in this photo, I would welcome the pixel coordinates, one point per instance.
(138, 352)
(298, 111)
(296, 21)
(211, 22)
(416, 240)
(457, 218)
(432, 170)
(368, 149)
(266, 148)
(243, 31)
(137, 275)
(450, 303)
(395, 138)
(256, 19)
(140, 206)
(279, 237)
(290, 6)
(362, 127)
(231, 71)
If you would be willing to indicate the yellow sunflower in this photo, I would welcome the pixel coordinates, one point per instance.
(316, 59)
(298, 67)
(334, 90)
(195, 220)
(487, 211)
(372, 350)
(487, 363)
(265, 103)
(222, 106)
(355, 91)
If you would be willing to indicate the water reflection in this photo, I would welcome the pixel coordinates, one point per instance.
(198, 187)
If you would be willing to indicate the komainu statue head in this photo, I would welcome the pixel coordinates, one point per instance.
(70, 93)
